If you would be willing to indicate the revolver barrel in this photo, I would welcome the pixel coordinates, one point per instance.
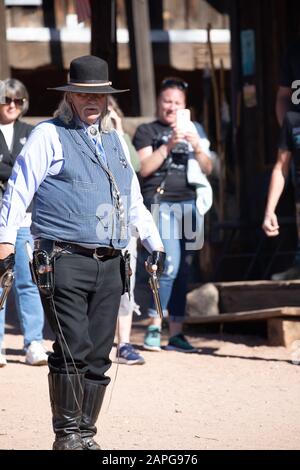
(153, 281)
(6, 283)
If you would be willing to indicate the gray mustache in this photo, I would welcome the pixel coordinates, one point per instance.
(93, 107)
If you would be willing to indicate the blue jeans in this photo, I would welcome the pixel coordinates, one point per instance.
(176, 228)
(27, 298)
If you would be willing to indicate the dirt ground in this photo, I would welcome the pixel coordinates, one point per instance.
(236, 393)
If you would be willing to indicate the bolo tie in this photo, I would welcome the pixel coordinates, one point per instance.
(118, 203)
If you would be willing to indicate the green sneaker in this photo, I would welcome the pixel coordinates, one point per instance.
(152, 338)
(180, 343)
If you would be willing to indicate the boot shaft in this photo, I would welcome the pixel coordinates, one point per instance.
(92, 402)
(66, 396)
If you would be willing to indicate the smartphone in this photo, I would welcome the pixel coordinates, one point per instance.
(183, 119)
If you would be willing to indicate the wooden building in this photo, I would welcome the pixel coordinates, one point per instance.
(44, 36)
(260, 31)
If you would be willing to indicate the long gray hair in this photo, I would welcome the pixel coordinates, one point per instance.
(65, 113)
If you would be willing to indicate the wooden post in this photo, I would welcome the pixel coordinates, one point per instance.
(104, 33)
(236, 99)
(55, 42)
(216, 97)
(141, 57)
(4, 68)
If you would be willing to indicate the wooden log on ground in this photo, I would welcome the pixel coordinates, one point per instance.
(283, 332)
(258, 295)
(252, 315)
(283, 324)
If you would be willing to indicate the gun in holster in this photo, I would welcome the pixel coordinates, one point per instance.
(126, 272)
(42, 272)
(154, 285)
(6, 283)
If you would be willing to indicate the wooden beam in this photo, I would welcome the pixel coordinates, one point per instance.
(283, 324)
(261, 285)
(245, 316)
(104, 34)
(141, 57)
(54, 44)
(4, 68)
(156, 11)
(257, 295)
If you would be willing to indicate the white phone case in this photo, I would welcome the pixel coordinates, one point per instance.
(183, 119)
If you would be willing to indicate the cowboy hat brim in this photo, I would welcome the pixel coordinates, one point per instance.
(88, 89)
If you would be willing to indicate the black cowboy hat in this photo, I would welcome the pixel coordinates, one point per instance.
(88, 74)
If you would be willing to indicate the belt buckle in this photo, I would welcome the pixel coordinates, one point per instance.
(96, 256)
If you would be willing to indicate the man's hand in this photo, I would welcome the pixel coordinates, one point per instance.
(7, 264)
(6, 249)
(7, 257)
(155, 262)
(6, 271)
(270, 225)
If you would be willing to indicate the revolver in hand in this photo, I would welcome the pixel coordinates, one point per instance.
(6, 277)
(157, 258)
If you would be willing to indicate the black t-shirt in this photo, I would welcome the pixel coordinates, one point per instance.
(290, 140)
(177, 188)
(290, 69)
(290, 134)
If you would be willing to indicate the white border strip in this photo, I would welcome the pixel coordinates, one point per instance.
(22, 3)
(83, 35)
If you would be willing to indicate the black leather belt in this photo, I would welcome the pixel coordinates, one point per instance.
(101, 252)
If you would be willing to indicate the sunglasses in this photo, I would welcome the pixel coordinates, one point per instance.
(18, 101)
(174, 82)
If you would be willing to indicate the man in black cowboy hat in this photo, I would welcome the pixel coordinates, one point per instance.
(86, 197)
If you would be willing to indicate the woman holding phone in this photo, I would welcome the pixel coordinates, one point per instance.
(175, 158)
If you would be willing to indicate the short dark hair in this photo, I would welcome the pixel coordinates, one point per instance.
(174, 82)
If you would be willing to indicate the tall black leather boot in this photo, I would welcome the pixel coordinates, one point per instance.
(92, 402)
(66, 395)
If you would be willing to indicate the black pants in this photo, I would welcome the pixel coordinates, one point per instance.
(86, 297)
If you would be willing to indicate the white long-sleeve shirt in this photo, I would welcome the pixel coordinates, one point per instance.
(42, 156)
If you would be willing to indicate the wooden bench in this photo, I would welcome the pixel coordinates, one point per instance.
(270, 301)
(283, 324)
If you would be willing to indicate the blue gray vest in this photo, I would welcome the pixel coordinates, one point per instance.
(77, 205)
